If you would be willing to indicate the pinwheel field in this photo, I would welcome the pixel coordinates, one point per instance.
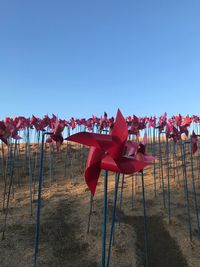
(100, 191)
(99, 133)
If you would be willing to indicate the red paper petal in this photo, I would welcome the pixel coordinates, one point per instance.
(3, 139)
(93, 169)
(131, 148)
(120, 130)
(101, 141)
(125, 165)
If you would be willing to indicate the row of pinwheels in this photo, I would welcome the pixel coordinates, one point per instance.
(110, 148)
(174, 127)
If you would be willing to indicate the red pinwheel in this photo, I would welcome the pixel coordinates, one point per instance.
(196, 119)
(178, 120)
(176, 135)
(11, 129)
(56, 135)
(187, 121)
(3, 134)
(73, 123)
(108, 152)
(38, 123)
(138, 150)
(152, 122)
(194, 138)
(134, 126)
(162, 122)
(142, 155)
(103, 122)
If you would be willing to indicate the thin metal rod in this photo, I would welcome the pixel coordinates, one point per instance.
(194, 191)
(186, 191)
(120, 201)
(37, 232)
(168, 181)
(104, 220)
(161, 170)
(90, 212)
(113, 219)
(145, 224)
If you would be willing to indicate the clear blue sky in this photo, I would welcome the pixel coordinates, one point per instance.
(84, 57)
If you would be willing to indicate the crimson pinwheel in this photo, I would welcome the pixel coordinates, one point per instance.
(3, 134)
(56, 134)
(108, 152)
(194, 138)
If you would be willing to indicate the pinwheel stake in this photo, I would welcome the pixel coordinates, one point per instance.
(173, 162)
(90, 212)
(162, 175)
(9, 162)
(36, 162)
(194, 190)
(51, 157)
(117, 177)
(30, 170)
(132, 190)
(2, 158)
(176, 163)
(104, 219)
(198, 167)
(168, 180)
(37, 231)
(120, 201)
(12, 159)
(154, 163)
(113, 219)
(186, 189)
(145, 224)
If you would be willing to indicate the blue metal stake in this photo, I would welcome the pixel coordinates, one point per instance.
(186, 191)
(145, 224)
(120, 202)
(162, 176)
(104, 220)
(168, 181)
(132, 189)
(39, 202)
(113, 219)
(116, 181)
(176, 164)
(154, 165)
(194, 191)
(90, 213)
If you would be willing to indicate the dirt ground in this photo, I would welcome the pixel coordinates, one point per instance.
(64, 240)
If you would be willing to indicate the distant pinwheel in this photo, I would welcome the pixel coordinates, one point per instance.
(56, 134)
(3, 134)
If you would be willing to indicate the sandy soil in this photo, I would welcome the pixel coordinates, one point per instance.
(64, 240)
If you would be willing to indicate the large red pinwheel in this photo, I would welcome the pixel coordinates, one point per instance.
(108, 152)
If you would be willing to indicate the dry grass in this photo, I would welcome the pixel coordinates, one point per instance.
(64, 240)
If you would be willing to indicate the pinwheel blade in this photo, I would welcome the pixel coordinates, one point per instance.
(124, 165)
(120, 130)
(101, 141)
(119, 134)
(93, 168)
